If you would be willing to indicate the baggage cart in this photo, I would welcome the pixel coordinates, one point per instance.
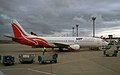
(26, 58)
(48, 58)
(8, 60)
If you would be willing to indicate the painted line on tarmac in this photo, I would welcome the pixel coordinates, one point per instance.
(12, 69)
(60, 63)
(29, 70)
(40, 71)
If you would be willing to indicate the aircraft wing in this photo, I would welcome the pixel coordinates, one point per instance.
(67, 45)
(61, 44)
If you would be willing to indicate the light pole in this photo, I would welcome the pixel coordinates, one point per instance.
(77, 30)
(93, 18)
(73, 31)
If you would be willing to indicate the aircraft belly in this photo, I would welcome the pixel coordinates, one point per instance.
(82, 44)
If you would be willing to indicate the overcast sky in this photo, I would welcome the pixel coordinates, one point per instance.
(59, 16)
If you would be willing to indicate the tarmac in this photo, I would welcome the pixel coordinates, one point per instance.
(83, 62)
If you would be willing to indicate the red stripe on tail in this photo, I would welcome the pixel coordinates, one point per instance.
(18, 32)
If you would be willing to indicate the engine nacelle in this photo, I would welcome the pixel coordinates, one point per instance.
(75, 46)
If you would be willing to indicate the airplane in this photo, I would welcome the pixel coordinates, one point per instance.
(74, 43)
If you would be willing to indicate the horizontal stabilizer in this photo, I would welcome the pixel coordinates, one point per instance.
(12, 37)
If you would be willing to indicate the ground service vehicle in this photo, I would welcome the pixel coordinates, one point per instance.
(26, 58)
(112, 50)
(8, 60)
(45, 58)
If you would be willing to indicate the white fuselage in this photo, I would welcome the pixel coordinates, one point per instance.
(82, 41)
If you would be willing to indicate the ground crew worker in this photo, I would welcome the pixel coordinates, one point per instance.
(44, 50)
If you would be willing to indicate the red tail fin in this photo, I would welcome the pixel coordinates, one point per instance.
(18, 30)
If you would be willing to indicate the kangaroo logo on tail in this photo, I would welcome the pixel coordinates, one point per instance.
(18, 30)
(23, 37)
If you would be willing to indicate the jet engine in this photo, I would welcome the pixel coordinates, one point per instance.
(75, 47)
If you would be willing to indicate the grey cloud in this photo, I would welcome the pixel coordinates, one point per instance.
(54, 16)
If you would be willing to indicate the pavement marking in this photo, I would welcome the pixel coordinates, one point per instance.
(12, 69)
(40, 71)
(59, 63)
(29, 70)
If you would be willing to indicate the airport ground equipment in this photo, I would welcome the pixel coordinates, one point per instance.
(8, 60)
(26, 58)
(48, 58)
(111, 50)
